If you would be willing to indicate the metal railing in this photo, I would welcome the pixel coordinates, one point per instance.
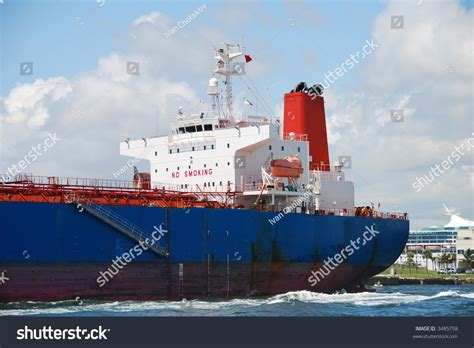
(331, 176)
(352, 212)
(27, 180)
(123, 226)
(295, 136)
(59, 181)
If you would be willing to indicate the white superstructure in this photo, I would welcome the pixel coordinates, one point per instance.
(217, 152)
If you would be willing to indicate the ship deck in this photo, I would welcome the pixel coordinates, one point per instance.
(28, 188)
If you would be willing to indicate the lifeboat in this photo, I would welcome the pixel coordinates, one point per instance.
(288, 167)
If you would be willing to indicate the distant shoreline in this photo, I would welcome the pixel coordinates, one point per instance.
(394, 280)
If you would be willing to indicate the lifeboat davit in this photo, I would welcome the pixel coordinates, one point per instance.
(288, 167)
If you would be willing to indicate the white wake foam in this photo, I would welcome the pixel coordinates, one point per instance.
(187, 306)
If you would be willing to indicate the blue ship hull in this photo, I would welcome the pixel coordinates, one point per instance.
(53, 251)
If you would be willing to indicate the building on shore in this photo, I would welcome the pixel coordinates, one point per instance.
(455, 238)
(465, 238)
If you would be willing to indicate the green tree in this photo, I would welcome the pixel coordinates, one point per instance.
(452, 259)
(443, 259)
(440, 260)
(410, 261)
(428, 255)
(468, 255)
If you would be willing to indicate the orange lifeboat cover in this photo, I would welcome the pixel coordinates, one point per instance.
(288, 167)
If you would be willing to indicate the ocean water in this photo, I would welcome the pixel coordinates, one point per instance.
(403, 300)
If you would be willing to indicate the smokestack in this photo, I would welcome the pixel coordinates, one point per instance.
(304, 114)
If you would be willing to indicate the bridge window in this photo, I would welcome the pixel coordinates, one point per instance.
(217, 164)
(228, 145)
(193, 148)
(156, 153)
(177, 150)
(156, 170)
(204, 184)
(204, 147)
(190, 129)
(171, 151)
(212, 147)
(199, 128)
(228, 163)
(181, 130)
(166, 169)
(208, 127)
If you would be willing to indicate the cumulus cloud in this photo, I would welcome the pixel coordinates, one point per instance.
(28, 103)
(93, 111)
(426, 70)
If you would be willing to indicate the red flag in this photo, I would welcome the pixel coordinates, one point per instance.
(247, 58)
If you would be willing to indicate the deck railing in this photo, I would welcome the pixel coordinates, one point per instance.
(295, 136)
(216, 192)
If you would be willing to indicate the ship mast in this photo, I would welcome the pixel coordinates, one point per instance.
(227, 67)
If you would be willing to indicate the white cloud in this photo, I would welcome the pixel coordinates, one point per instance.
(27, 103)
(425, 69)
(92, 112)
(151, 18)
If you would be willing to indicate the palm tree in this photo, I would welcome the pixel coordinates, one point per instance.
(468, 255)
(441, 260)
(427, 254)
(410, 261)
(452, 259)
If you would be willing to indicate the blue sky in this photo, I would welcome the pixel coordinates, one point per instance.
(64, 38)
(79, 50)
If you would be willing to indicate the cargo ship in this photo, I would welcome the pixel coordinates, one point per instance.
(231, 207)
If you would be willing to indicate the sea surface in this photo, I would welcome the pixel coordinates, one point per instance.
(402, 300)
